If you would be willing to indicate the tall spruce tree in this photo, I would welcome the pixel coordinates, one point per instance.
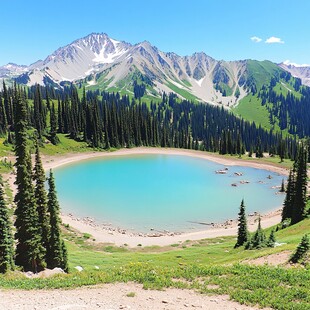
(41, 199)
(29, 250)
(53, 122)
(56, 252)
(6, 237)
(288, 204)
(300, 198)
(243, 234)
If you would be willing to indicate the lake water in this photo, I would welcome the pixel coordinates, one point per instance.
(170, 192)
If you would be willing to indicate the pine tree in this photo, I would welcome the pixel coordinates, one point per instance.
(300, 198)
(243, 234)
(272, 239)
(3, 118)
(29, 250)
(6, 237)
(302, 250)
(288, 204)
(53, 122)
(57, 253)
(258, 240)
(41, 199)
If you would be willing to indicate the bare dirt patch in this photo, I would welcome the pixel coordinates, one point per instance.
(112, 297)
(273, 259)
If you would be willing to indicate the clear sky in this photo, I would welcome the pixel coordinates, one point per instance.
(277, 30)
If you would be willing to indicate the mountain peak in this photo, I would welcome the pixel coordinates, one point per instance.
(97, 60)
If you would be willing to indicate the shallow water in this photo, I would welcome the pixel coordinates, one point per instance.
(164, 192)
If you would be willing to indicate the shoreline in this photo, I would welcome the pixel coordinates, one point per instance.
(51, 162)
(120, 237)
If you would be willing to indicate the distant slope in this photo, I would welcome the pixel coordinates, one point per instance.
(300, 71)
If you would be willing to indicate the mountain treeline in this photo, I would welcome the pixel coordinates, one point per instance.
(111, 120)
(291, 110)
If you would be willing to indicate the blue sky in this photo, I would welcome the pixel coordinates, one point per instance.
(31, 30)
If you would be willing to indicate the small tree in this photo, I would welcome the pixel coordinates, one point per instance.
(301, 250)
(243, 234)
(6, 237)
(258, 240)
(272, 239)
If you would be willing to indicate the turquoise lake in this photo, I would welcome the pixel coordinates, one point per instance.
(163, 192)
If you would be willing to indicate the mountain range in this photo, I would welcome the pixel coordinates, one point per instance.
(100, 62)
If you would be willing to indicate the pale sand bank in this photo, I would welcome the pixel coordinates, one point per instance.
(106, 234)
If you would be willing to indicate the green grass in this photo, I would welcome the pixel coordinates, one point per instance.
(251, 109)
(66, 145)
(261, 72)
(182, 92)
(208, 266)
(224, 87)
(187, 83)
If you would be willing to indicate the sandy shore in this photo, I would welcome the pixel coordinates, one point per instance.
(107, 234)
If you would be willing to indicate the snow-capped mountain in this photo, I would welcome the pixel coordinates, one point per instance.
(12, 69)
(299, 71)
(98, 61)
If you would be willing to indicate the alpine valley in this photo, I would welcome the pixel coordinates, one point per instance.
(100, 62)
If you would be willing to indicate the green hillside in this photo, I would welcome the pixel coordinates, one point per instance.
(269, 87)
(209, 266)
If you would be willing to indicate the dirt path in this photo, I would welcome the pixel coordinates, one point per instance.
(113, 297)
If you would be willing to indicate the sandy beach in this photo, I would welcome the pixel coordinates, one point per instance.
(112, 235)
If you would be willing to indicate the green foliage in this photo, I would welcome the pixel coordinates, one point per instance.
(295, 203)
(258, 240)
(41, 199)
(183, 92)
(56, 251)
(260, 73)
(251, 109)
(243, 234)
(29, 250)
(6, 237)
(272, 239)
(53, 124)
(302, 250)
(213, 263)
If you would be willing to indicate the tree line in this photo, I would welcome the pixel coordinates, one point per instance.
(292, 112)
(111, 120)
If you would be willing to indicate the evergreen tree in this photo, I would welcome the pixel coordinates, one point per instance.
(56, 252)
(243, 234)
(53, 122)
(3, 118)
(258, 240)
(29, 250)
(6, 237)
(300, 199)
(288, 204)
(302, 250)
(41, 199)
(272, 239)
